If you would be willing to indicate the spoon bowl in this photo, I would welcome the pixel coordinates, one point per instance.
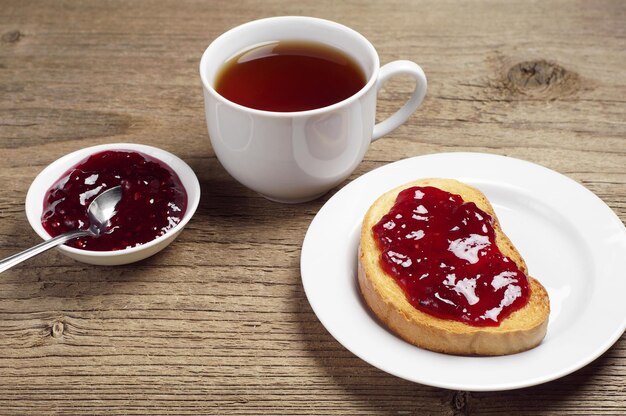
(102, 209)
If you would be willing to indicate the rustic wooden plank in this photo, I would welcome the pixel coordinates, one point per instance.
(219, 323)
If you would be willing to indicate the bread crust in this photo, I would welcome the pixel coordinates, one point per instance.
(520, 331)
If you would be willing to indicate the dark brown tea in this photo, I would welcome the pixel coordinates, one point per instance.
(289, 76)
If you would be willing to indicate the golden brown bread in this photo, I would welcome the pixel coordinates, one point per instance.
(522, 330)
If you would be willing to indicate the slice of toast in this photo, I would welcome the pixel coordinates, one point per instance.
(523, 329)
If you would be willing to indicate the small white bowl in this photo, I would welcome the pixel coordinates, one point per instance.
(47, 177)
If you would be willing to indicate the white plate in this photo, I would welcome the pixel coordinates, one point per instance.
(571, 241)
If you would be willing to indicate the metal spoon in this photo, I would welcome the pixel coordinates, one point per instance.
(100, 212)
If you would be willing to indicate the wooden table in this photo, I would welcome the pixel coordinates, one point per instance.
(218, 323)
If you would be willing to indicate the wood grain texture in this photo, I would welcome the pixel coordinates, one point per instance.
(218, 323)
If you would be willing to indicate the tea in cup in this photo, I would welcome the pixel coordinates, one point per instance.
(290, 103)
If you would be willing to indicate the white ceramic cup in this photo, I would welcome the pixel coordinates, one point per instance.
(298, 156)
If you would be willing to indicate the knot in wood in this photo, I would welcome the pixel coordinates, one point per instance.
(541, 78)
(460, 403)
(534, 74)
(11, 36)
(57, 329)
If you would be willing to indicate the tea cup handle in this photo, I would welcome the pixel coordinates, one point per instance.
(387, 71)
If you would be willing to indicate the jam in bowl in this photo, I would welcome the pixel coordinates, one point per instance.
(160, 194)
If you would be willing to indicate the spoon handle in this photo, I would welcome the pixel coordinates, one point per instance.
(40, 248)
